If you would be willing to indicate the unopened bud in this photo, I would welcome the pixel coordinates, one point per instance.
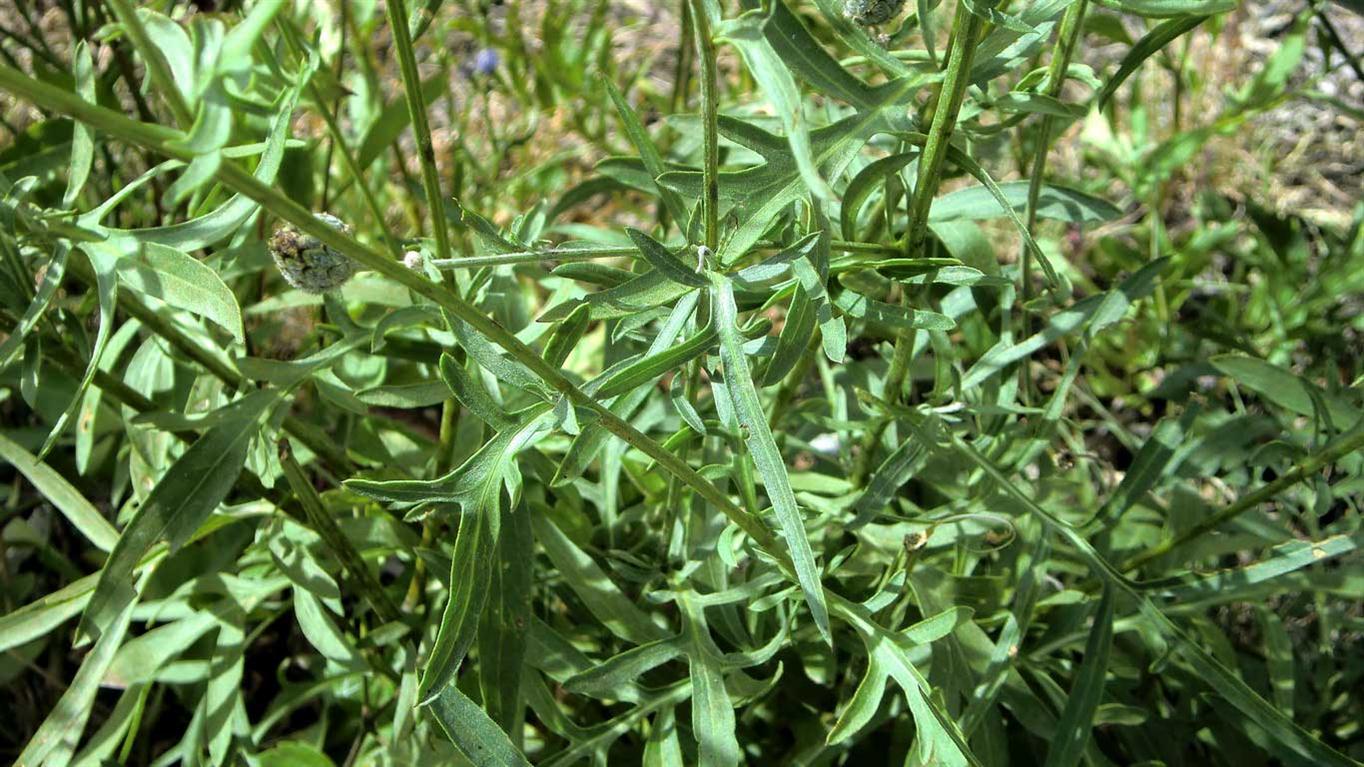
(308, 264)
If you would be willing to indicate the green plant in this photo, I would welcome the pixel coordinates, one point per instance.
(817, 422)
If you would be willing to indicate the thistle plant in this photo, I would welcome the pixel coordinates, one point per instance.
(800, 395)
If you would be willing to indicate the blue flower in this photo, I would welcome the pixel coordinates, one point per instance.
(486, 61)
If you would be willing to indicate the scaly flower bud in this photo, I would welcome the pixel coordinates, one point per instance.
(869, 13)
(306, 263)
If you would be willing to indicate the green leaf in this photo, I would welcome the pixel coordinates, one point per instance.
(763, 448)
(1152, 42)
(647, 291)
(651, 367)
(1077, 718)
(665, 262)
(217, 225)
(321, 631)
(1288, 391)
(867, 181)
(186, 283)
(777, 85)
(1161, 9)
(1241, 582)
(406, 396)
(794, 48)
(140, 658)
(506, 619)
(648, 154)
(82, 136)
(614, 677)
(68, 717)
(567, 335)
(888, 478)
(602, 598)
(1151, 464)
(471, 394)
(891, 316)
(759, 194)
(938, 739)
(1083, 315)
(471, 730)
(36, 619)
(477, 487)
(106, 288)
(712, 717)
(796, 333)
(1278, 659)
(189, 491)
(293, 753)
(42, 299)
(1058, 203)
(78, 511)
(393, 120)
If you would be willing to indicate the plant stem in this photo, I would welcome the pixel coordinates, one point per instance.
(338, 139)
(1345, 445)
(710, 201)
(435, 199)
(965, 31)
(682, 73)
(535, 256)
(893, 385)
(323, 524)
(421, 128)
(1069, 33)
(575, 254)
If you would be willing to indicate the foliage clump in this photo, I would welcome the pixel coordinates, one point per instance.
(724, 384)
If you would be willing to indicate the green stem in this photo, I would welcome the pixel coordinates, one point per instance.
(965, 32)
(1071, 24)
(435, 199)
(416, 108)
(591, 253)
(535, 256)
(322, 523)
(894, 384)
(682, 73)
(705, 49)
(1347, 444)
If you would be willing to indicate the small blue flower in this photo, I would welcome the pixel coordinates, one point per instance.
(486, 61)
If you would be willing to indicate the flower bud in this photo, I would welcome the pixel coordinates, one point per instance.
(306, 263)
(869, 13)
